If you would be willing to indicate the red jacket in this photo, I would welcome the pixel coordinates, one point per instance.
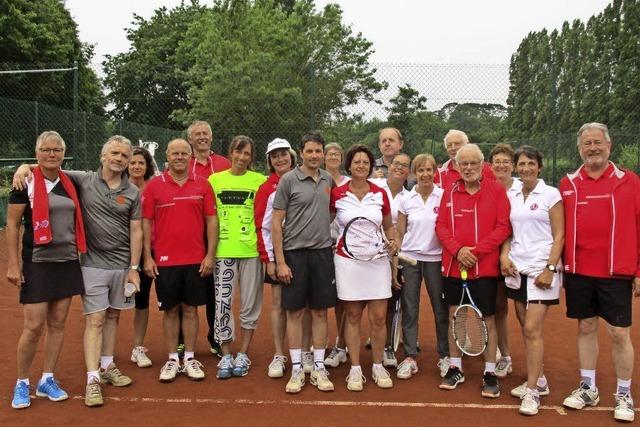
(480, 220)
(624, 245)
(447, 175)
(260, 210)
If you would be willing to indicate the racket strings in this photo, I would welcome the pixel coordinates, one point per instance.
(362, 239)
(469, 330)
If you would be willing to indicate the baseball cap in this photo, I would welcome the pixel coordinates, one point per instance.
(278, 143)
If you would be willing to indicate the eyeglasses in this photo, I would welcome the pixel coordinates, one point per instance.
(502, 162)
(400, 165)
(467, 164)
(333, 154)
(50, 150)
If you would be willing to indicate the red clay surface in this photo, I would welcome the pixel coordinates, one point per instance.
(259, 400)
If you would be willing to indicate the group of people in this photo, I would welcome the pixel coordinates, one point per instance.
(208, 225)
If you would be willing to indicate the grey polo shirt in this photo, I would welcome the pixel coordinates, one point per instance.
(379, 165)
(307, 219)
(107, 214)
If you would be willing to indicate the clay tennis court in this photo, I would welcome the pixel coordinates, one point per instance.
(259, 400)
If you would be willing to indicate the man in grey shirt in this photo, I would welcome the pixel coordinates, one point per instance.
(304, 258)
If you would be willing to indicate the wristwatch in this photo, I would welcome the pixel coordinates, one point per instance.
(552, 268)
(134, 267)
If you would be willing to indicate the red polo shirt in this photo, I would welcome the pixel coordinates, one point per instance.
(215, 163)
(447, 174)
(593, 223)
(179, 218)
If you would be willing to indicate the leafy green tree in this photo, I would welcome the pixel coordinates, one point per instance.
(42, 34)
(404, 106)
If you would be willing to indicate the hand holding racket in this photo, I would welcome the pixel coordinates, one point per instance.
(469, 329)
(364, 240)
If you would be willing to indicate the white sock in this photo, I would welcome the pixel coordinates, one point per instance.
(489, 367)
(589, 377)
(45, 376)
(377, 366)
(318, 358)
(174, 356)
(296, 357)
(356, 368)
(542, 382)
(24, 380)
(105, 361)
(91, 375)
(188, 355)
(456, 361)
(624, 387)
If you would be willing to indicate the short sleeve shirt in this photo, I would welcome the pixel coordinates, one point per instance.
(420, 240)
(306, 203)
(382, 183)
(215, 163)
(179, 217)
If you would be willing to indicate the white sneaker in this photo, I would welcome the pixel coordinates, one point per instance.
(381, 377)
(335, 358)
(443, 365)
(519, 391)
(307, 362)
(277, 367)
(581, 397)
(320, 379)
(503, 368)
(296, 382)
(389, 358)
(624, 408)
(193, 369)
(355, 380)
(169, 371)
(530, 402)
(407, 368)
(140, 358)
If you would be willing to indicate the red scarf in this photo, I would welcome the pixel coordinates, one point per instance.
(40, 211)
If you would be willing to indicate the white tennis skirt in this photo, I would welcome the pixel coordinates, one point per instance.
(362, 280)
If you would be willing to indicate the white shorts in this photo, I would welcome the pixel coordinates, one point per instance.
(362, 280)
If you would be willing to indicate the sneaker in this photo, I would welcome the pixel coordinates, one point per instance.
(443, 365)
(490, 386)
(21, 398)
(214, 346)
(519, 391)
(407, 368)
(193, 369)
(530, 402)
(503, 368)
(381, 377)
(296, 381)
(355, 380)
(225, 367)
(277, 367)
(241, 365)
(389, 359)
(453, 377)
(169, 371)
(93, 393)
(113, 376)
(320, 379)
(140, 358)
(335, 358)
(51, 390)
(307, 362)
(624, 408)
(581, 397)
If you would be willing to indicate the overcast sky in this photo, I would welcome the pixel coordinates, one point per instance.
(402, 31)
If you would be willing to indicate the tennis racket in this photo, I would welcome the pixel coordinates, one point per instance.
(396, 318)
(364, 240)
(469, 329)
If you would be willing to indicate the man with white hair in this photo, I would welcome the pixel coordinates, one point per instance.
(602, 207)
(447, 174)
(473, 222)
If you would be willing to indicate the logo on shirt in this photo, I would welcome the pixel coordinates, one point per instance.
(40, 224)
(436, 209)
(533, 207)
(121, 200)
(164, 258)
(567, 193)
(235, 197)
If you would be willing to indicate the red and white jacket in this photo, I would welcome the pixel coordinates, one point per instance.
(447, 175)
(263, 210)
(479, 220)
(624, 243)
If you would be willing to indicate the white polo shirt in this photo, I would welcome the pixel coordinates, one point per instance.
(420, 241)
(382, 183)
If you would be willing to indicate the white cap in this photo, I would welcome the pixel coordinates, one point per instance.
(278, 143)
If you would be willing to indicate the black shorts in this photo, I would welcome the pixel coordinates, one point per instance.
(313, 283)
(180, 284)
(593, 296)
(269, 280)
(50, 281)
(482, 290)
(146, 282)
(520, 295)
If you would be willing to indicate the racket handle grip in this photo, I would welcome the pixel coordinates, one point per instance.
(407, 259)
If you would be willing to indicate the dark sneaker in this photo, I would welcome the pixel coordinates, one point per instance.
(490, 386)
(452, 379)
(214, 346)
